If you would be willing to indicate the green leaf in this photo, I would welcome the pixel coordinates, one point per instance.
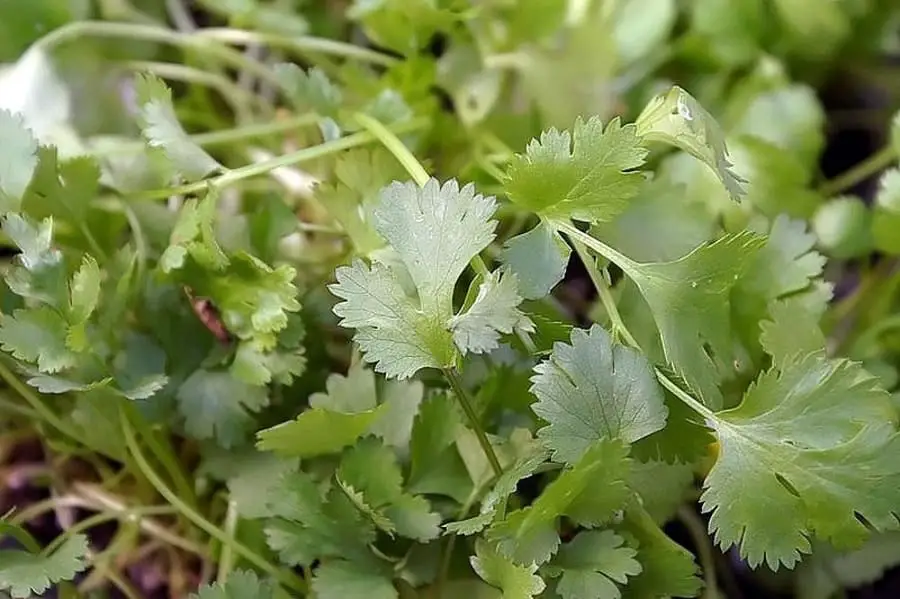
(687, 298)
(241, 584)
(667, 569)
(886, 217)
(436, 231)
(38, 272)
(64, 191)
(316, 432)
(163, 133)
(592, 563)
(38, 336)
(18, 160)
(814, 438)
(194, 235)
(435, 464)
(843, 226)
(309, 90)
(588, 175)
(85, 290)
(348, 394)
(659, 225)
(494, 311)
(515, 581)
(341, 579)
(505, 486)
(538, 258)
(23, 574)
(403, 26)
(662, 487)
(216, 406)
(251, 477)
(828, 571)
(676, 118)
(309, 526)
(592, 390)
(401, 401)
(791, 330)
(589, 493)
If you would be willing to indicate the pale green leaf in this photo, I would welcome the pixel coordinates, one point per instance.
(815, 439)
(216, 406)
(688, 298)
(38, 336)
(85, 289)
(494, 312)
(23, 574)
(340, 579)
(592, 390)
(538, 258)
(241, 584)
(162, 131)
(592, 563)
(18, 160)
(676, 118)
(515, 581)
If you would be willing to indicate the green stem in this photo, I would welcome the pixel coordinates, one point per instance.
(266, 166)
(878, 161)
(287, 578)
(235, 96)
(605, 295)
(303, 44)
(395, 146)
(629, 266)
(35, 402)
(697, 530)
(224, 136)
(226, 558)
(151, 33)
(463, 397)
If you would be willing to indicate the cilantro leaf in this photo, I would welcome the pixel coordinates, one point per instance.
(590, 565)
(495, 310)
(515, 581)
(886, 217)
(308, 525)
(309, 90)
(215, 405)
(165, 135)
(667, 568)
(588, 175)
(17, 161)
(371, 469)
(316, 432)
(686, 298)
(538, 258)
(38, 271)
(194, 235)
(790, 330)
(241, 584)
(341, 579)
(815, 438)
(589, 492)
(38, 335)
(662, 487)
(23, 573)
(435, 464)
(593, 390)
(503, 488)
(349, 394)
(435, 231)
(678, 119)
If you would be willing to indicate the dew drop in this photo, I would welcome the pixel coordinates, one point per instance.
(684, 110)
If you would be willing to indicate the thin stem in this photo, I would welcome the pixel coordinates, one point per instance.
(302, 45)
(680, 393)
(224, 136)
(181, 16)
(238, 98)
(37, 404)
(605, 295)
(287, 578)
(878, 161)
(697, 529)
(266, 166)
(629, 266)
(396, 147)
(463, 397)
(152, 33)
(226, 558)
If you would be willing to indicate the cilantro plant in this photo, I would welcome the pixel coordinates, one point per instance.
(452, 311)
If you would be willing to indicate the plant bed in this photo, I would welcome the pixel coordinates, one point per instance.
(439, 299)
